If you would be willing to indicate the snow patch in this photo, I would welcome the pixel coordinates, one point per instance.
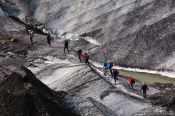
(59, 76)
(53, 60)
(90, 40)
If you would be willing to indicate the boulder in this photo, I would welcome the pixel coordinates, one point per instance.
(166, 96)
(22, 94)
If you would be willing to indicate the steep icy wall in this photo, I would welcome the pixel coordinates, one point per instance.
(22, 9)
(1, 12)
(113, 16)
(135, 33)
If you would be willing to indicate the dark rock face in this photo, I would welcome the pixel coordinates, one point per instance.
(12, 53)
(165, 99)
(163, 86)
(23, 94)
(17, 8)
(10, 27)
(166, 96)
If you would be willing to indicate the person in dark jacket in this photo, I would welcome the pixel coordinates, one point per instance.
(49, 38)
(66, 45)
(79, 53)
(110, 65)
(144, 88)
(131, 81)
(115, 74)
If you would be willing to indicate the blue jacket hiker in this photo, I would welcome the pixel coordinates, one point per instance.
(105, 66)
(110, 65)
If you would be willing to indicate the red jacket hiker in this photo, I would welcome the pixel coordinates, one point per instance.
(131, 82)
(86, 57)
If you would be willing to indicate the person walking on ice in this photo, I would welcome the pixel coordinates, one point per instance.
(115, 74)
(131, 81)
(144, 88)
(105, 66)
(86, 58)
(110, 65)
(49, 38)
(79, 53)
(31, 34)
(66, 45)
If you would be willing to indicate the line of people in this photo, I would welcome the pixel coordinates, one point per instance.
(31, 34)
(115, 73)
(106, 65)
(79, 52)
(109, 65)
(85, 55)
(66, 45)
(143, 88)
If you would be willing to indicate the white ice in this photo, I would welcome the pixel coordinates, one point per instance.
(170, 74)
(123, 105)
(90, 40)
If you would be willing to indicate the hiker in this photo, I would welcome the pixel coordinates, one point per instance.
(144, 88)
(66, 45)
(49, 38)
(131, 81)
(86, 58)
(105, 67)
(31, 34)
(79, 53)
(110, 65)
(115, 74)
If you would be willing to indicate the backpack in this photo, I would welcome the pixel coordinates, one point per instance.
(105, 65)
(117, 72)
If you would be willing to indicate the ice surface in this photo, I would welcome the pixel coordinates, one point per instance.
(59, 76)
(62, 71)
(123, 105)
